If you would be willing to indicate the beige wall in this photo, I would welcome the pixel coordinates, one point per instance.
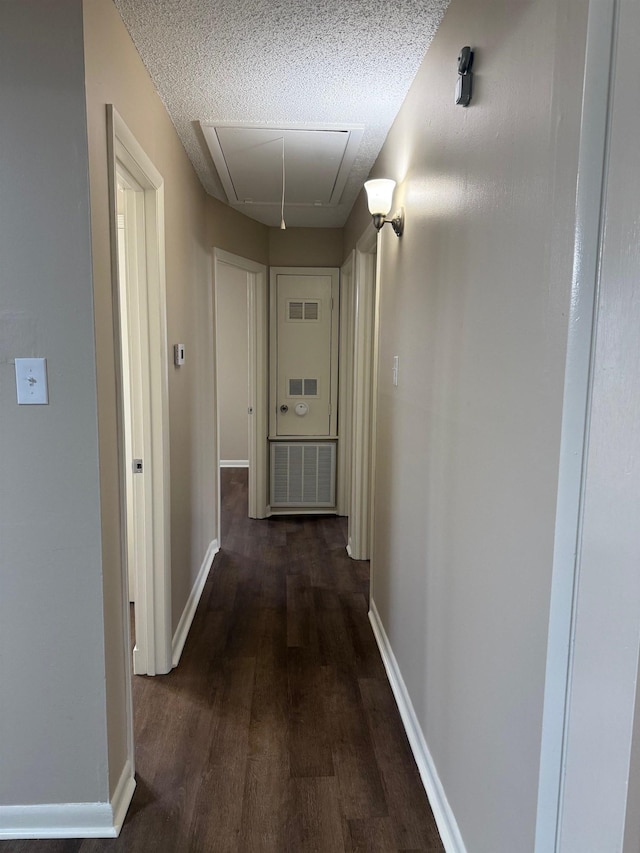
(232, 231)
(232, 343)
(53, 732)
(115, 74)
(357, 223)
(306, 247)
(473, 300)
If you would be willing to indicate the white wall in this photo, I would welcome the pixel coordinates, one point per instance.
(232, 344)
(53, 728)
(473, 300)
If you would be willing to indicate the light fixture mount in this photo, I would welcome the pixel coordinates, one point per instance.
(397, 223)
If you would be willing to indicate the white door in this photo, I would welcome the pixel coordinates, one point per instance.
(132, 280)
(139, 290)
(304, 352)
(133, 386)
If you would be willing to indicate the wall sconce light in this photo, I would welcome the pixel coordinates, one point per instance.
(379, 199)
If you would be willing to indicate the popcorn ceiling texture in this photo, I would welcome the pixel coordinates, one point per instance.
(286, 61)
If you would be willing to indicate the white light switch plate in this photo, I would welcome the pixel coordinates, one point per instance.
(31, 381)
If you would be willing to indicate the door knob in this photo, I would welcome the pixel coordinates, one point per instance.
(284, 408)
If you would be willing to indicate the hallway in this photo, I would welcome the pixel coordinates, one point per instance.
(278, 731)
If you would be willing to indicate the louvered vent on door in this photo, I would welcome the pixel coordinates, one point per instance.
(303, 387)
(303, 310)
(303, 474)
(296, 311)
(311, 310)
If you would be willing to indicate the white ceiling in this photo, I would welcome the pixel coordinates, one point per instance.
(283, 68)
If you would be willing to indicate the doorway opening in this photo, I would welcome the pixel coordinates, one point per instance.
(358, 355)
(241, 370)
(137, 220)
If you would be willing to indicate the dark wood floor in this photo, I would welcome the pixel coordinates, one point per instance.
(278, 732)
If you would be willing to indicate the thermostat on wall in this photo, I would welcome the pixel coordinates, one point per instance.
(178, 354)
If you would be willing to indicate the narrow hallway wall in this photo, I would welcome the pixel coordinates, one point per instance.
(229, 230)
(473, 301)
(305, 247)
(53, 727)
(115, 74)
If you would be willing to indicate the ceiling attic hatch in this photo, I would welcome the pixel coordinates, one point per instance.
(248, 158)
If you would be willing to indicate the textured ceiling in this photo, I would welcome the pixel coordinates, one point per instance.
(283, 63)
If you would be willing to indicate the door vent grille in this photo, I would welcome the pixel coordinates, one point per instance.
(295, 387)
(303, 388)
(311, 310)
(295, 311)
(310, 387)
(303, 474)
(302, 310)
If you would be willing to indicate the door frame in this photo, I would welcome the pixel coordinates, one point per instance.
(258, 324)
(365, 347)
(565, 711)
(152, 654)
(345, 386)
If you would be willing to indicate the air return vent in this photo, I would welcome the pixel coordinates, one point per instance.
(303, 388)
(311, 310)
(303, 474)
(295, 311)
(303, 310)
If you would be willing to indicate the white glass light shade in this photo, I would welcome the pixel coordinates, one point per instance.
(379, 195)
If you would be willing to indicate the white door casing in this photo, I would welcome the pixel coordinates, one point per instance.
(345, 386)
(363, 427)
(146, 322)
(587, 798)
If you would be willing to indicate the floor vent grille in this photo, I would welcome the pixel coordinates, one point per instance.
(303, 474)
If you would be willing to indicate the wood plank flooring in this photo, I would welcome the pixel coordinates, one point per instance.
(278, 732)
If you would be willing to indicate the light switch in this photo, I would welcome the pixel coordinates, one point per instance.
(31, 381)
(394, 372)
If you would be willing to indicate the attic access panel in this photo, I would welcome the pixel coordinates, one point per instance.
(249, 162)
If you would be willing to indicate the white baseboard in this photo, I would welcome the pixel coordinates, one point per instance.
(234, 463)
(180, 636)
(70, 820)
(122, 795)
(445, 819)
